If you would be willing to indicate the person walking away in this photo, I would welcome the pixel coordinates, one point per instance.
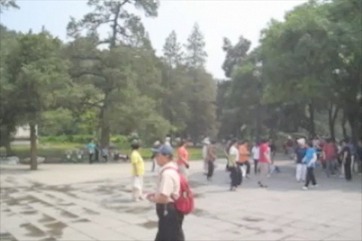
(211, 158)
(347, 159)
(138, 170)
(91, 147)
(255, 154)
(183, 158)
(168, 190)
(289, 146)
(105, 153)
(301, 168)
(273, 149)
(329, 157)
(205, 144)
(243, 161)
(310, 160)
(235, 173)
(155, 147)
(264, 162)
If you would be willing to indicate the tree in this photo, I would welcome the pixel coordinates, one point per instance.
(175, 83)
(235, 54)
(195, 55)
(109, 71)
(172, 51)
(124, 26)
(38, 73)
(304, 39)
(7, 4)
(9, 116)
(202, 89)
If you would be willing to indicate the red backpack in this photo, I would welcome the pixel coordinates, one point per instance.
(185, 203)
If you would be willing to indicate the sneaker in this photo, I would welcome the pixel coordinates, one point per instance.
(305, 188)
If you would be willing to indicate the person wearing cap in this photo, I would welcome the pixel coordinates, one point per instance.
(168, 187)
(138, 170)
(301, 168)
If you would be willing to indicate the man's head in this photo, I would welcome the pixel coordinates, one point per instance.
(164, 155)
(301, 142)
(135, 145)
(310, 144)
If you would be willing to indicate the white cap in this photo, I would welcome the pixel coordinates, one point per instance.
(301, 141)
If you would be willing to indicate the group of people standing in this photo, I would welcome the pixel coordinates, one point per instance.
(335, 159)
(238, 157)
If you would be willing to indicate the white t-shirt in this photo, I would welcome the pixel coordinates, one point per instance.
(204, 152)
(255, 152)
(169, 181)
(234, 153)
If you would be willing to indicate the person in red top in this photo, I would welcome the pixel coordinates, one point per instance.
(329, 154)
(264, 162)
(183, 158)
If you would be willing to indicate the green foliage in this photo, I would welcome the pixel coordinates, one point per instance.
(7, 4)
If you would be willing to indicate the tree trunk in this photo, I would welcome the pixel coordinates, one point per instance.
(33, 154)
(105, 130)
(332, 116)
(311, 120)
(344, 129)
(352, 121)
(8, 150)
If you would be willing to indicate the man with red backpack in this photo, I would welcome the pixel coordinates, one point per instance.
(173, 197)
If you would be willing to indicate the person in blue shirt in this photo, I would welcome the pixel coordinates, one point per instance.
(91, 149)
(309, 160)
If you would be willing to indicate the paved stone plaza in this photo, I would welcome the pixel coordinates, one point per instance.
(92, 202)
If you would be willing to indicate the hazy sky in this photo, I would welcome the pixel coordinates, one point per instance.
(216, 18)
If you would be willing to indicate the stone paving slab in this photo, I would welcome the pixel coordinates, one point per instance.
(93, 202)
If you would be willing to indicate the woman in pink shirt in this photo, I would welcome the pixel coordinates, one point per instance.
(183, 158)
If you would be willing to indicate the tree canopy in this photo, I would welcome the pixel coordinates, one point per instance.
(303, 77)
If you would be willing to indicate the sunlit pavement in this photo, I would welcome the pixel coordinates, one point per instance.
(92, 202)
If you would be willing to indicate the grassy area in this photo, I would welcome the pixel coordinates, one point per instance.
(56, 152)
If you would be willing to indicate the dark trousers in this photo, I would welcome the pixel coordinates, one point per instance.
(210, 169)
(348, 170)
(256, 166)
(235, 176)
(310, 176)
(169, 223)
(91, 158)
(247, 164)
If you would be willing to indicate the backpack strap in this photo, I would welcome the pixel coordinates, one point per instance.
(171, 168)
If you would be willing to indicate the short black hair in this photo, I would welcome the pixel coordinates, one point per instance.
(310, 143)
(135, 146)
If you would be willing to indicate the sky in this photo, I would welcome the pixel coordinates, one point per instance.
(216, 18)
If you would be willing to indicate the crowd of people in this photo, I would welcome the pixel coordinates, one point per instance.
(336, 159)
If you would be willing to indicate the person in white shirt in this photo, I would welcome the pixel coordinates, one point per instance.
(205, 143)
(235, 171)
(255, 154)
